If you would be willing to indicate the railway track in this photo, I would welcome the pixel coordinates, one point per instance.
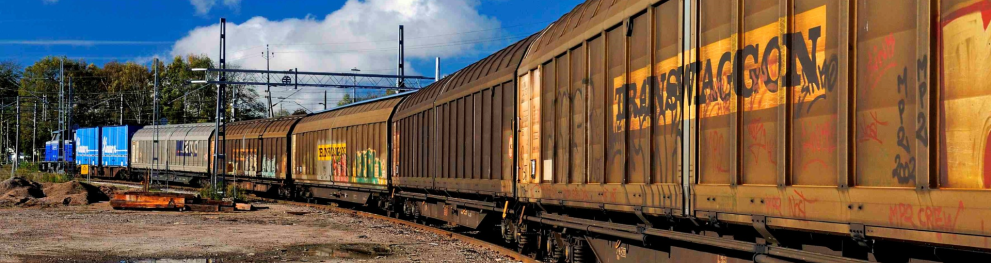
(170, 189)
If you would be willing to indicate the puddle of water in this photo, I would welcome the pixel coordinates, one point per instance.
(169, 260)
(347, 251)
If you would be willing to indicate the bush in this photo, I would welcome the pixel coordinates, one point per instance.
(232, 192)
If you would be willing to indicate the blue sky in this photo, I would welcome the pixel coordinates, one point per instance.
(310, 35)
(138, 30)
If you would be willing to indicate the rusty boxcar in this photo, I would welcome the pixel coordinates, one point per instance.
(786, 122)
(455, 142)
(343, 153)
(257, 153)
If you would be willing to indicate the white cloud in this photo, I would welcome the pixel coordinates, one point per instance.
(203, 6)
(361, 34)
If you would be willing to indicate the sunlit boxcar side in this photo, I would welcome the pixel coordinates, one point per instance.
(342, 153)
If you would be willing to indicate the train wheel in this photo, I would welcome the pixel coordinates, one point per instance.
(508, 231)
(578, 251)
(556, 248)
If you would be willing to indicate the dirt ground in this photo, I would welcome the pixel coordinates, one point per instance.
(96, 233)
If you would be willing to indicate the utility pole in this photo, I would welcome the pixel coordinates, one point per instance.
(220, 125)
(325, 100)
(122, 108)
(17, 138)
(34, 131)
(234, 90)
(68, 115)
(61, 113)
(354, 89)
(400, 83)
(154, 121)
(268, 80)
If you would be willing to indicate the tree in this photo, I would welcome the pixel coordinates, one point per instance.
(131, 84)
(299, 112)
(345, 101)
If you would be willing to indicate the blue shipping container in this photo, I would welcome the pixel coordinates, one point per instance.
(88, 146)
(70, 151)
(115, 145)
(51, 151)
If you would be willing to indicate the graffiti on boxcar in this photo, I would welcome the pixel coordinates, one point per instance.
(336, 153)
(640, 110)
(900, 214)
(716, 142)
(368, 167)
(817, 140)
(798, 203)
(922, 133)
(904, 170)
(772, 204)
(879, 61)
(760, 143)
(268, 167)
(868, 132)
(931, 217)
(668, 99)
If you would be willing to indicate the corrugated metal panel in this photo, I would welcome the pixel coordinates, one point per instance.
(896, 153)
(668, 94)
(819, 131)
(717, 101)
(964, 144)
(597, 117)
(616, 112)
(88, 146)
(116, 145)
(579, 111)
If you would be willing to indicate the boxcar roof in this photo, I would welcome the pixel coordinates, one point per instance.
(370, 111)
(493, 70)
(585, 21)
(280, 127)
(200, 131)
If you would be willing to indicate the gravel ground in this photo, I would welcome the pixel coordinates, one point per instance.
(96, 233)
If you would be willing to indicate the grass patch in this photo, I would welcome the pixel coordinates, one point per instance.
(30, 171)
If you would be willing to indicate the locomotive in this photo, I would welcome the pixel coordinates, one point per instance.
(631, 130)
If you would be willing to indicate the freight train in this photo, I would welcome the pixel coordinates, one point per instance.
(633, 130)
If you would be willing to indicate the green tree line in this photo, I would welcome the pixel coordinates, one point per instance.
(114, 94)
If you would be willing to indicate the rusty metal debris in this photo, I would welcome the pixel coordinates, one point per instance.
(170, 201)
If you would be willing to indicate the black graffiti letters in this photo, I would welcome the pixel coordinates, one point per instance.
(770, 79)
(750, 51)
(800, 54)
(903, 140)
(904, 172)
(922, 133)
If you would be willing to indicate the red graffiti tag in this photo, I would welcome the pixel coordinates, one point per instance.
(818, 139)
(759, 142)
(716, 143)
(797, 204)
(879, 62)
(869, 131)
(900, 214)
(773, 204)
(937, 218)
